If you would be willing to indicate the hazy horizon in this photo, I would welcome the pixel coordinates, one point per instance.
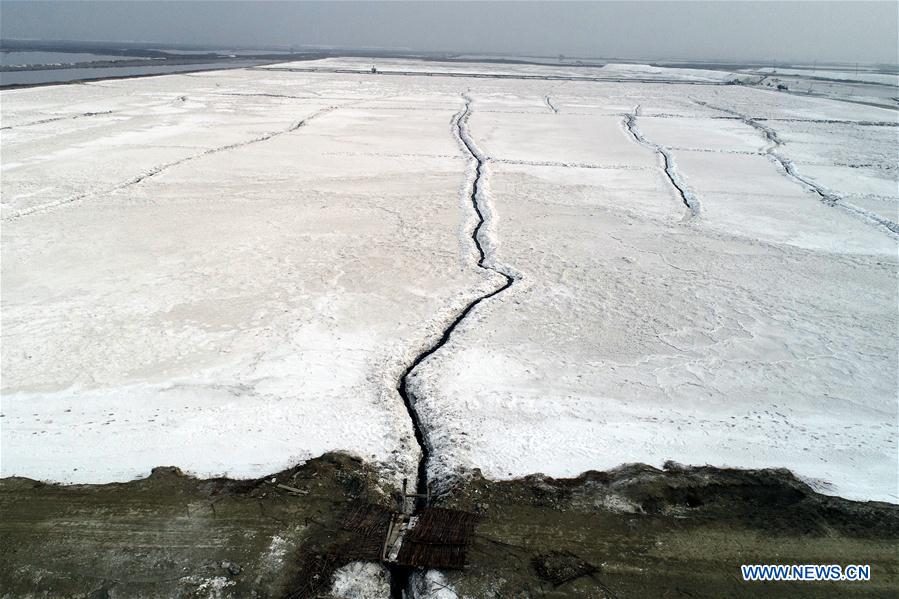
(757, 31)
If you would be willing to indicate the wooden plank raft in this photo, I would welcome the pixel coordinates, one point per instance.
(437, 538)
(432, 538)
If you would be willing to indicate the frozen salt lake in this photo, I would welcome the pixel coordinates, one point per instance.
(229, 271)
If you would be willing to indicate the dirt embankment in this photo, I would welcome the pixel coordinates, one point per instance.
(679, 532)
(171, 535)
(632, 532)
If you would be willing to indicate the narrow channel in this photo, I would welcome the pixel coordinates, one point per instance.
(686, 196)
(400, 576)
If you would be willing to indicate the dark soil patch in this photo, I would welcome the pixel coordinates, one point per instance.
(559, 567)
(638, 531)
(171, 535)
(631, 532)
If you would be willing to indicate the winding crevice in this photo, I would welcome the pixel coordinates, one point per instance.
(550, 105)
(164, 167)
(476, 196)
(686, 196)
(789, 169)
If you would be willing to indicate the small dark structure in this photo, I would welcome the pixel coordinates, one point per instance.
(438, 538)
(368, 524)
(432, 538)
(559, 567)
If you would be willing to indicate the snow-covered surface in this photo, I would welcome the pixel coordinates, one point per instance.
(862, 76)
(360, 580)
(872, 88)
(607, 71)
(432, 584)
(645, 71)
(759, 333)
(235, 313)
(228, 272)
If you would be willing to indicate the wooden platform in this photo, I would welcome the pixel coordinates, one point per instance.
(432, 538)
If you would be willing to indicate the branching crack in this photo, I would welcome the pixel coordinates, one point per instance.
(164, 167)
(789, 169)
(686, 196)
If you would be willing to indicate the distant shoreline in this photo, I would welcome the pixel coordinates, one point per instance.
(173, 70)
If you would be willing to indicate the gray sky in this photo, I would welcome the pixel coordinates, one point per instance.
(823, 31)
